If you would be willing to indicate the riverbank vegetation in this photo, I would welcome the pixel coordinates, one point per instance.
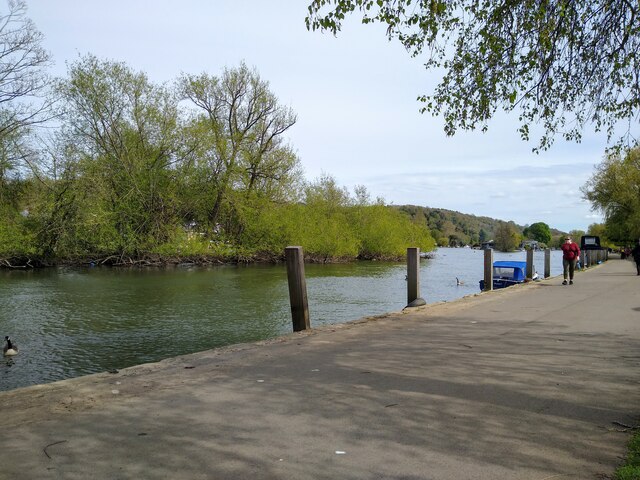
(330, 227)
(128, 171)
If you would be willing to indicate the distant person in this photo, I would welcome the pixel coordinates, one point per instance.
(636, 256)
(570, 256)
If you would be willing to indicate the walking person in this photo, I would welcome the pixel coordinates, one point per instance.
(636, 256)
(570, 256)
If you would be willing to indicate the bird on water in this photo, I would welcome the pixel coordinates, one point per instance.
(10, 348)
(459, 282)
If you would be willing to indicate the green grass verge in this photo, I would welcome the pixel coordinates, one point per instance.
(631, 469)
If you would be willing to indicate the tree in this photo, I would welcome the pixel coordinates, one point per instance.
(539, 231)
(240, 127)
(560, 64)
(506, 238)
(614, 189)
(121, 131)
(23, 80)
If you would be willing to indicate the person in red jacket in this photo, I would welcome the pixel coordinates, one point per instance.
(570, 256)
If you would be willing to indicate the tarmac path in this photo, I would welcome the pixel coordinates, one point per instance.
(533, 382)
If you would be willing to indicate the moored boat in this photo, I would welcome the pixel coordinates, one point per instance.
(507, 273)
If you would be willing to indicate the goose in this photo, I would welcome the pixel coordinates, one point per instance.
(10, 348)
(459, 282)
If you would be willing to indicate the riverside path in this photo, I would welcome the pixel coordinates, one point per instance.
(538, 382)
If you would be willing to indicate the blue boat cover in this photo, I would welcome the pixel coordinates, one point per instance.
(518, 272)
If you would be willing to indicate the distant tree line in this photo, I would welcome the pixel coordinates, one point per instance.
(454, 229)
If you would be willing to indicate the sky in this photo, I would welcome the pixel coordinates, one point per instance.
(354, 95)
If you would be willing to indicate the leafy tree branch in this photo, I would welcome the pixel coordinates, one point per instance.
(560, 65)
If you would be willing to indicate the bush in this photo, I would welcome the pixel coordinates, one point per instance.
(16, 239)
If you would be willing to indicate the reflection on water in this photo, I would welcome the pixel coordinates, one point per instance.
(71, 322)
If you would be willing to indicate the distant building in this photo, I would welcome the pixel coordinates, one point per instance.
(488, 245)
(530, 244)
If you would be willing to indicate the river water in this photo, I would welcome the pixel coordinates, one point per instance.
(72, 322)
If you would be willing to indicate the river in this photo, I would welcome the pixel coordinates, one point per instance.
(72, 322)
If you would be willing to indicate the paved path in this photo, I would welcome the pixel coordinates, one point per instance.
(524, 383)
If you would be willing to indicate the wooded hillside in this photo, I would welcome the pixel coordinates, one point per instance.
(451, 228)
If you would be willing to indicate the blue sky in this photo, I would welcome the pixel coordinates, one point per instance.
(355, 98)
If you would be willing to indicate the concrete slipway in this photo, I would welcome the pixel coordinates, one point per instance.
(533, 382)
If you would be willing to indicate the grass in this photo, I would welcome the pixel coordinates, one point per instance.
(631, 469)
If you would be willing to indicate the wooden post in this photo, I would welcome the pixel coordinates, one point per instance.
(547, 262)
(488, 269)
(413, 278)
(529, 270)
(297, 288)
(583, 258)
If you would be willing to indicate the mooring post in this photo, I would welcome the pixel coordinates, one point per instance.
(547, 262)
(529, 271)
(488, 269)
(297, 288)
(413, 278)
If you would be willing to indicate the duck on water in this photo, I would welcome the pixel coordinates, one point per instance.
(10, 348)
